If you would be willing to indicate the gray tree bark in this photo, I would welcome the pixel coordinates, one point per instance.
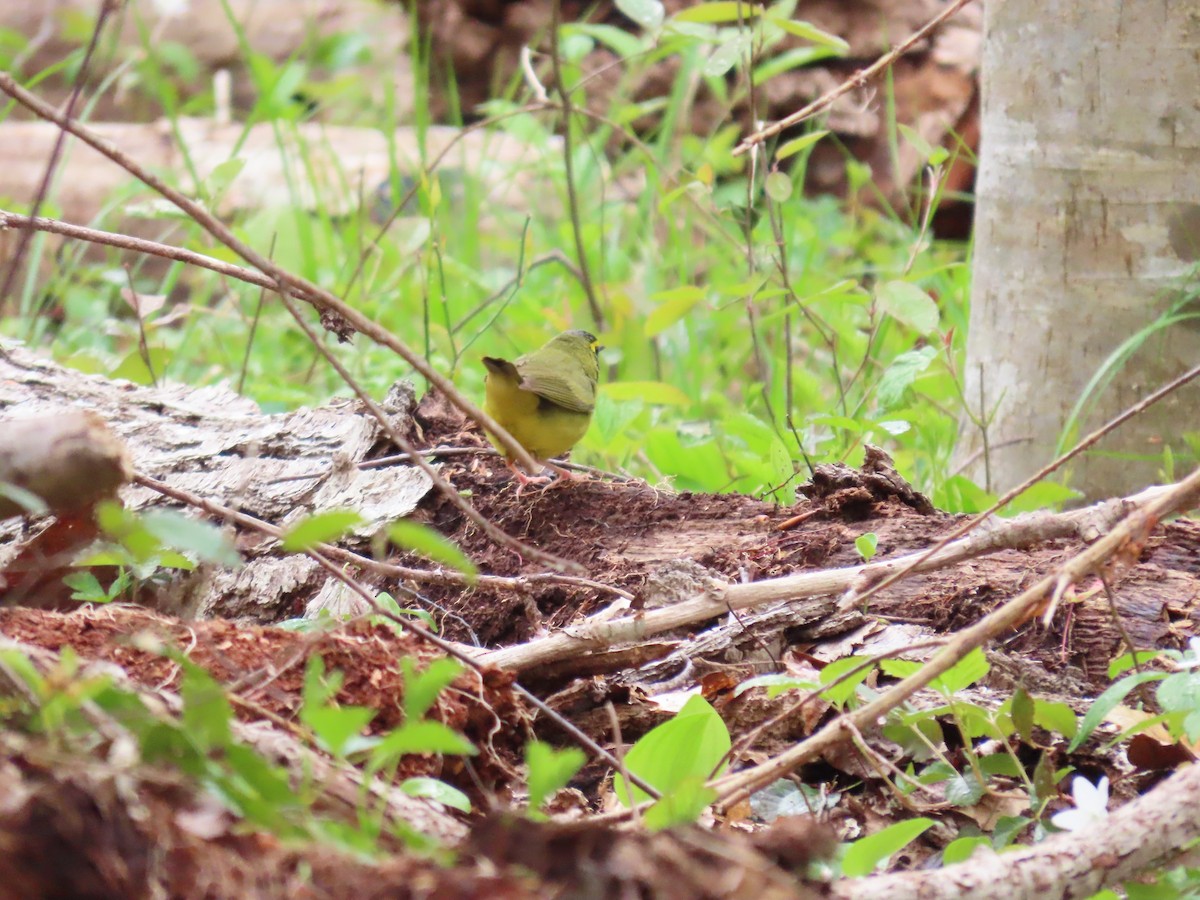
(1087, 230)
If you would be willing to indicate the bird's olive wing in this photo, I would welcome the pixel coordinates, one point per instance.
(559, 379)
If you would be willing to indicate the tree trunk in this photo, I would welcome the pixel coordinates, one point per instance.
(1087, 227)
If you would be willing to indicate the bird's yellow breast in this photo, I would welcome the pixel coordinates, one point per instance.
(540, 426)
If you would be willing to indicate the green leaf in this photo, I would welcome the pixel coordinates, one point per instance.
(929, 153)
(775, 684)
(718, 11)
(840, 694)
(206, 710)
(187, 535)
(1124, 662)
(865, 544)
(688, 746)
(964, 673)
(902, 373)
(795, 145)
(727, 54)
(864, 855)
(1180, 692)
(1055, 717)
(335, 726)
(907, 303)
(438, 791)
(1022, 714)
(673, 305)
(221, 177)
(30, 502)
(320, 528)
(810, 32)
(960, 850)
(778, 186)
(616, 39)
(421, 689)
(682, 806)
(428, 543)
(550, 770)
(422, 738)
(646, 14)
(1107, 702)
(964, 789)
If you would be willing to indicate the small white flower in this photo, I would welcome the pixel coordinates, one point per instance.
(1091, 805)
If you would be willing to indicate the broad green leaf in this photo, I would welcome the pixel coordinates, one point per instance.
(1180, 692)
(717, 12)
(688, 746)
(778, 186)
(438, 791)
(960, 850)
(727, 54)
(865, 544)
(187, 535)
(334, 726)
(964, 789)
(1022, 714)
(646, 14)
(428, 543)
(422, 738)
(864, 855)
(550, 770)
(1107, 702)
(421, 689)
(616, 39)
(902, 373)
(672, 306)
(320, 528)
(1055, 717)
(795, 145)
(841, 693)
(206, 710)
(964, 673)
(682, 806)
(904, 301)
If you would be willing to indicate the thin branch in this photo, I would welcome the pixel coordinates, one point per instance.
(1022, 531)
(1133, 528)
(106, 9)
(305, 290)
(1033, 479)
(858, 79)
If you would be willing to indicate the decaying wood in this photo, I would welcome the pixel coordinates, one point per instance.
(716, 599)
(343, 785)
(214, 443)
(68, 461)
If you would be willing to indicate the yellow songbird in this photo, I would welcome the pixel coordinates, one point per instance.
(545, 399)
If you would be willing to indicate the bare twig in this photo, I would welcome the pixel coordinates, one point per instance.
(301, 288)
(858, 79)
(1133, 527)
(1033, 479)
(107, 8)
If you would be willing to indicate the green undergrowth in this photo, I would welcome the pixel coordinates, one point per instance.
(746, 325)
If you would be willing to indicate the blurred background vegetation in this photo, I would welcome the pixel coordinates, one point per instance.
(752, 323)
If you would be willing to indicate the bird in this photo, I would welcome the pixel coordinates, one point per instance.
(544, 399)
